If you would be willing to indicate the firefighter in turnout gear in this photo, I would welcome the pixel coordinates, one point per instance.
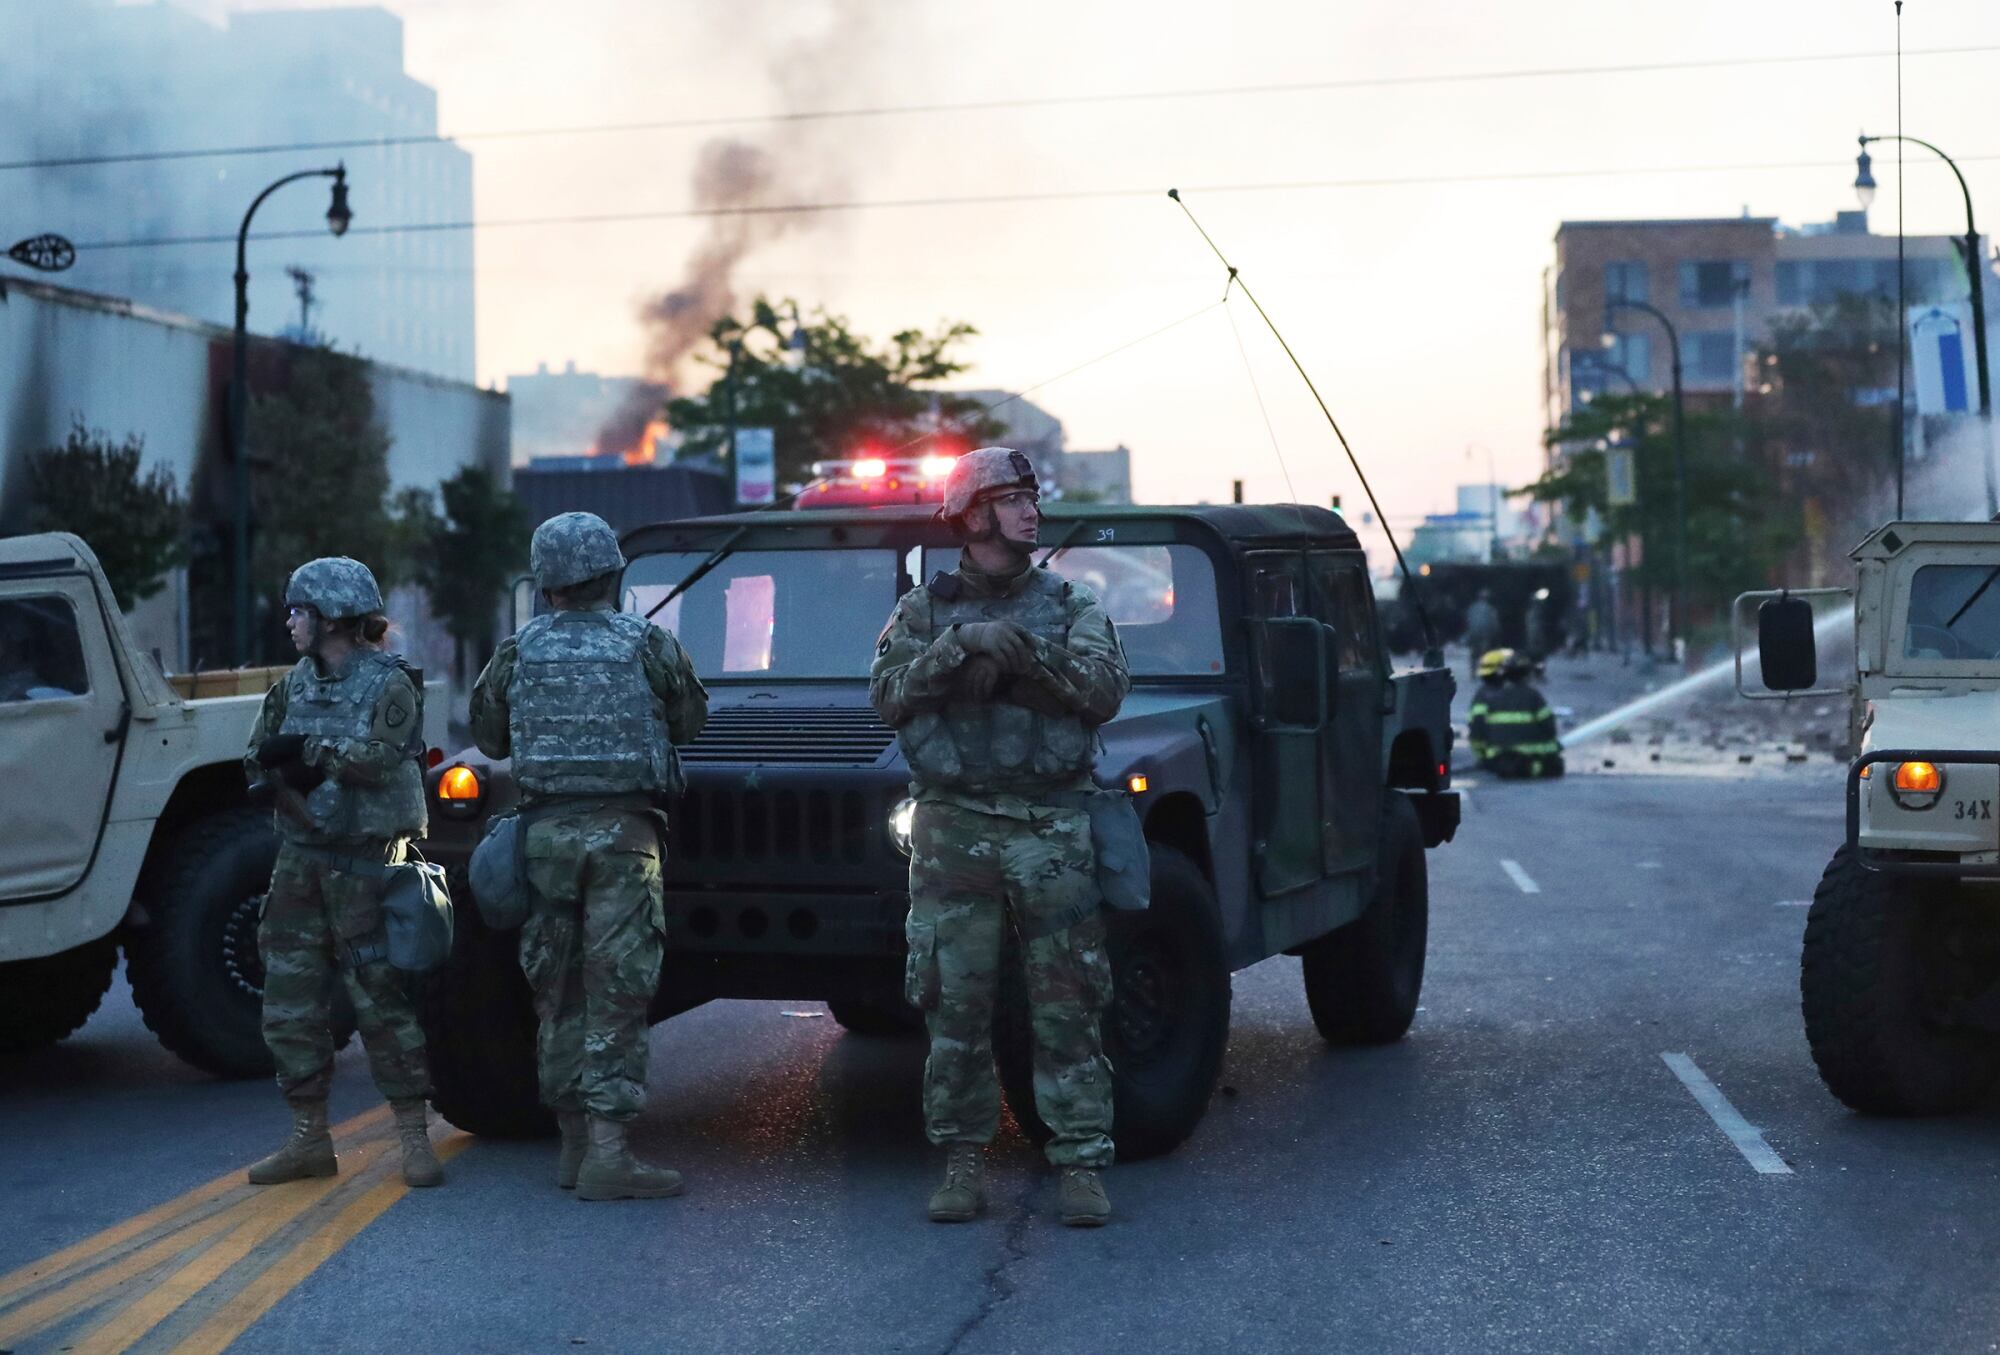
(1511, 728)
(589, 702)
(995, 677)
(336, 750)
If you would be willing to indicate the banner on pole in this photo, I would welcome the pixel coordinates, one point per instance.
(756, 467)
(1941, 350)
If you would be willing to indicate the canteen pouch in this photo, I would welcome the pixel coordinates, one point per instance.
(498, 874)
(1118, 841)
(416, 916)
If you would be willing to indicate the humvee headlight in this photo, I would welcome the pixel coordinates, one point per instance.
(900, 819)
(1917, 785)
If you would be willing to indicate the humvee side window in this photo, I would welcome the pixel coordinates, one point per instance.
(1340, 598)
(41, 654)
(1954, 613)
(1278, 586)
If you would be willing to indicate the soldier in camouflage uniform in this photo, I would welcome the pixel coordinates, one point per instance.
(995, 678)
(589, 702)
(336, 748)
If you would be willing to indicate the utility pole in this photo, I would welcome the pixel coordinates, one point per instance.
(302, 283)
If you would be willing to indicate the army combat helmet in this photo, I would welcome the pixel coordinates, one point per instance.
(571, 548)
(334, 586)
(982, 474)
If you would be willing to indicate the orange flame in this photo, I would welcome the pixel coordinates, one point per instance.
(646, 450)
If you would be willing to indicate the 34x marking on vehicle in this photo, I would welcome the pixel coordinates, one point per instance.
(1972, 809)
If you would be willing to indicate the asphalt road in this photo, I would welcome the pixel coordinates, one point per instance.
(1524, 1172)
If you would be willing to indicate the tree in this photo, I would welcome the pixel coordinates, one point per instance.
(824, 391)
(465, 558)
(1738, 527)
(135, 523)
(321, 476)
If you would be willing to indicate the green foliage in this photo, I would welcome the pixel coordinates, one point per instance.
(465, 558)
(135, 523)
(1738, 528)
(830, 397)
(321, 474)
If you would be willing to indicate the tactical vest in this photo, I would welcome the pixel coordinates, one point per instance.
(343, 707)
(996, 745)
(583, 718)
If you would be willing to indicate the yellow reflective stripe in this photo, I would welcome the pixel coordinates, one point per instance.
(1513, 717)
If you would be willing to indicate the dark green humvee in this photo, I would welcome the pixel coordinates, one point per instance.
(1288, 781)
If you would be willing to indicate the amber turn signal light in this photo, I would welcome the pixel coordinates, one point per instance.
(459, 783)
(1920, 778)
(1137, 784)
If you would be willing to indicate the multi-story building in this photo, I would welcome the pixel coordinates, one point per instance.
(1721, 281)
(582, 415)
(89, 78)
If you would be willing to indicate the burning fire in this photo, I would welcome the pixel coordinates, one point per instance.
(646, 450)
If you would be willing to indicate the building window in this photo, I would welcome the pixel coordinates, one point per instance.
(1709, 356)
(1625, 280)
(1632, 354)
(1821, 282)
(1709, 283)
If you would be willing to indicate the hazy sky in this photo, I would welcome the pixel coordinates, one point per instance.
(1416, 306)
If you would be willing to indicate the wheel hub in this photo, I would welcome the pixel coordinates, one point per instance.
(1144, 999)
(242, 962)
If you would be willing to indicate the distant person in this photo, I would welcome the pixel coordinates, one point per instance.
(1541, 635)
(1482, 627)
(1490, 669)
(1513, 729)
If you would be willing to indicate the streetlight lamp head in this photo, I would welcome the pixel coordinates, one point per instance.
(338, 215)
(1864, 179)
(1608, 340)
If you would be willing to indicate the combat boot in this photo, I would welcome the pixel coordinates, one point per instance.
(963, 1193)
(308, 1152)
(610, 1172)
(575, 1139)
(1081, 1200)
(420, 1164)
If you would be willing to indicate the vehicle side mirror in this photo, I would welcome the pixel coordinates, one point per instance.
(521, 602)
(1786, 650)
(1288, 663)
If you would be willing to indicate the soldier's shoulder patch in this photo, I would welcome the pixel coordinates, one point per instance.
(882, 645)
(397, 715)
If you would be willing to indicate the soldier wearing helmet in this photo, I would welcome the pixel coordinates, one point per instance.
(995, 677)
(336, 747)
(589, 702)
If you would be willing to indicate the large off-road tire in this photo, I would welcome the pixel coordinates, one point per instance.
(1363, 980)
(43, 1000)
(479, 1027)
(1871, 986)
(876, 1020)
(196, 974)
(1168, 1023)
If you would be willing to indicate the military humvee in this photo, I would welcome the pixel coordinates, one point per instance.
(1900, 980)
(128, 821)
(1288, 782)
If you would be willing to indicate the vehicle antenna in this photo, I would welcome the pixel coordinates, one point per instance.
(1433, 653)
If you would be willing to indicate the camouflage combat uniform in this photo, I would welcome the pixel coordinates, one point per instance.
(589, 703)
(988, 850)
(363, 728)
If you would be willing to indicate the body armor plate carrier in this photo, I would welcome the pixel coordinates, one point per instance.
(583, 718)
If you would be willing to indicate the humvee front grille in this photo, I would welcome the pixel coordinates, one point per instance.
(727, 824)
(817, 736)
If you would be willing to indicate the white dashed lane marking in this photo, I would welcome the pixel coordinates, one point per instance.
(1728, 1119)
(1520, 877)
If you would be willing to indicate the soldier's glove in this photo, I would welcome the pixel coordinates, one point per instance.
(980, 677)
(1038, 697)
(1005, 641)
(300, 777)
(279, 749)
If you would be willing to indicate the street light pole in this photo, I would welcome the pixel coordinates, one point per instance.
(1975, 268)
(337, 217)
(1677, 618)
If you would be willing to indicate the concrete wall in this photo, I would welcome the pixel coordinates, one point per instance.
(123, 369)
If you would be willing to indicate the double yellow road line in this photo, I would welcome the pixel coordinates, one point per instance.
(194, 1273)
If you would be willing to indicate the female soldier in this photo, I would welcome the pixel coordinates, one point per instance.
(337, 747)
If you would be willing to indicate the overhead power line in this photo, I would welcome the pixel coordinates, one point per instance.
(978, 200)
(716, 121)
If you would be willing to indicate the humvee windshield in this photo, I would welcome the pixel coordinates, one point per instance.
(763, 614)
(1954, 613)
